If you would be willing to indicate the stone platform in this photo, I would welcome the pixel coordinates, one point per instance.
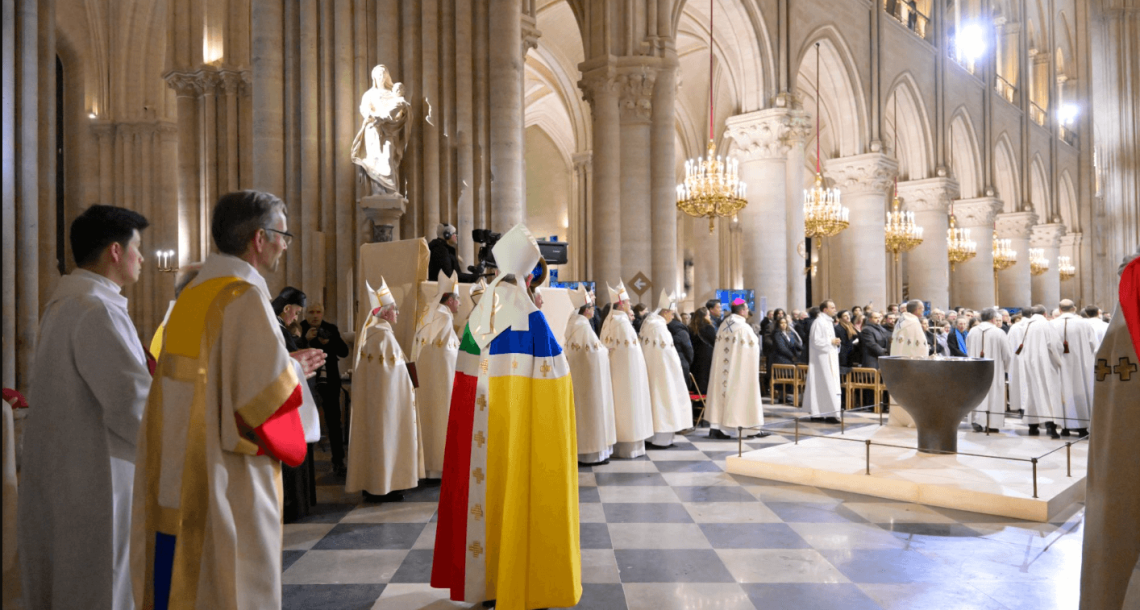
(977, 484)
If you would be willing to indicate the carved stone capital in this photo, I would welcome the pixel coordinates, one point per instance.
(582, 160)
(862, 174)
(928, 195)
(530, 33)
(1047, 235)
(1071, 240)
(980, 212)
(185, 84)
(209, 80)
(1015, 225)
(601, 80)
(766, 134)
(636, 90)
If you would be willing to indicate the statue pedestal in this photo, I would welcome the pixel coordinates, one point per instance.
(382, 215)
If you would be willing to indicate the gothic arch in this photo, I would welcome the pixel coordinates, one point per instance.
(965, 159)
(843, 123)
(1067, 203)
(1039, 189)
(1007, 178)
(746, 51)
(913, 128)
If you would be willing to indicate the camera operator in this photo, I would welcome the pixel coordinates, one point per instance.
(444, 256)
(325, 336)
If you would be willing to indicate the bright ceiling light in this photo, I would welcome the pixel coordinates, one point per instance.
(971, 42)
(1068, 113)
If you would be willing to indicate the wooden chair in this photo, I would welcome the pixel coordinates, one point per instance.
(864, 379)
(784, 375)
(693, 396)
(800, 382)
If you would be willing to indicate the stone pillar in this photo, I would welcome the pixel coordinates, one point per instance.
(600, 90)
(1013, 283)
(580, 230)
(799, 130)
(381, 215)
(1071, 247)
(761, 148)
(1046, 288)
(505, 54)
(636, 107)
(663, 176)
(25, 99)
(857, 256)
(973, 280)
(928, 265)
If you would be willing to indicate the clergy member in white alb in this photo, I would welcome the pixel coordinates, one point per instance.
(668, 393)
(988, 341)
(1013, 337)
(633, 415)
(821, 389)
(1039, 353)
(88, 391)
(384, 453)
(1078, 359)
(589, 363)
(434, 351)
(734, 382)
(224, 413)
(1092, 315)
(908, 341)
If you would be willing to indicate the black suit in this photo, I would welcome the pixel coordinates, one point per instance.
(876, 342)
(683, 344)
(299, 485)
(703, 345)
(952, 343)
(786, 349)
(328, 384)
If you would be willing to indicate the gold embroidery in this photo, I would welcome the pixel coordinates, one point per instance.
(1125, 369)
(475, 548)
(545, 368)
(483, 365)
(479, 439)
(477, 511)
(1103, 370)
(478, 474)
(481, 401)
(370, 357)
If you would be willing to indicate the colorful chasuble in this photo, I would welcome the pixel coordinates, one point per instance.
(508, 510)
(221, 416)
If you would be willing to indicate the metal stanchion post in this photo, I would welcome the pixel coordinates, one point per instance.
(987, 422)
(868, 457)
(739, 441)
(1034, 460)
(842, 422)
(1069, 459)
(797, 441)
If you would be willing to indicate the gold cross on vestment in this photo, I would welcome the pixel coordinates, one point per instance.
(514, 364)
(477, 511)
(475, 548)
(1102, 369)
(370, 357)
(545, 368)
(483, 365)
(481, 401)
(478, 475)
(1125, 369)
(479, 439)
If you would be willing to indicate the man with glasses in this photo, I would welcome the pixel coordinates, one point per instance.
(222, 418)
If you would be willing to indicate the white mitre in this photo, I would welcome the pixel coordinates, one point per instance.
(619, 294)
(581, 297)
(477, 290)
(379, 297)
(510, 306)
(445, 284)
(668, 300)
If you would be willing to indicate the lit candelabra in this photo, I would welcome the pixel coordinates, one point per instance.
(712, 188)
(960, 247)
(1004, 255)
(1038, 264)
(167, 260)
(824, 216)
(902, 235)
(1066, 268)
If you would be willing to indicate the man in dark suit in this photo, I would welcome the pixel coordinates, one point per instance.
(875, 339)
(325, 336)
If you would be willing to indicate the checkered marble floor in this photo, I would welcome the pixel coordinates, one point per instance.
(672, 530)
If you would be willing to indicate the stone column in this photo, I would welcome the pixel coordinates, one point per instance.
(581, 231)
(600, 90)
(799, 130)
(1013, 283)
(25, 99)
(1071, 247)
(505, 54)
(1046, 288)
(928, 265)
(761, 149)
(973, 280)
(663, 176)
(636, 106)
(857, 256)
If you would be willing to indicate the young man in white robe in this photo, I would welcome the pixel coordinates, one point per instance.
(633, 414)
(89, 387)
(225, 411)
(822, 387)
(668, 393)
(589, 362)
(434, 350)
(1039, 378)
(1014, 336)
(384, 453)
(734, 382)
(909, 341)
(1092, 316)
(1078, 359)
(986, 340)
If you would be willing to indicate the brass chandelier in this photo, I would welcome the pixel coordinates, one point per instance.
(1066, 268)
(960, 247)
(824, 215)
(712, 188)
(1038, 264)
(1004, 255)
(902, 234)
